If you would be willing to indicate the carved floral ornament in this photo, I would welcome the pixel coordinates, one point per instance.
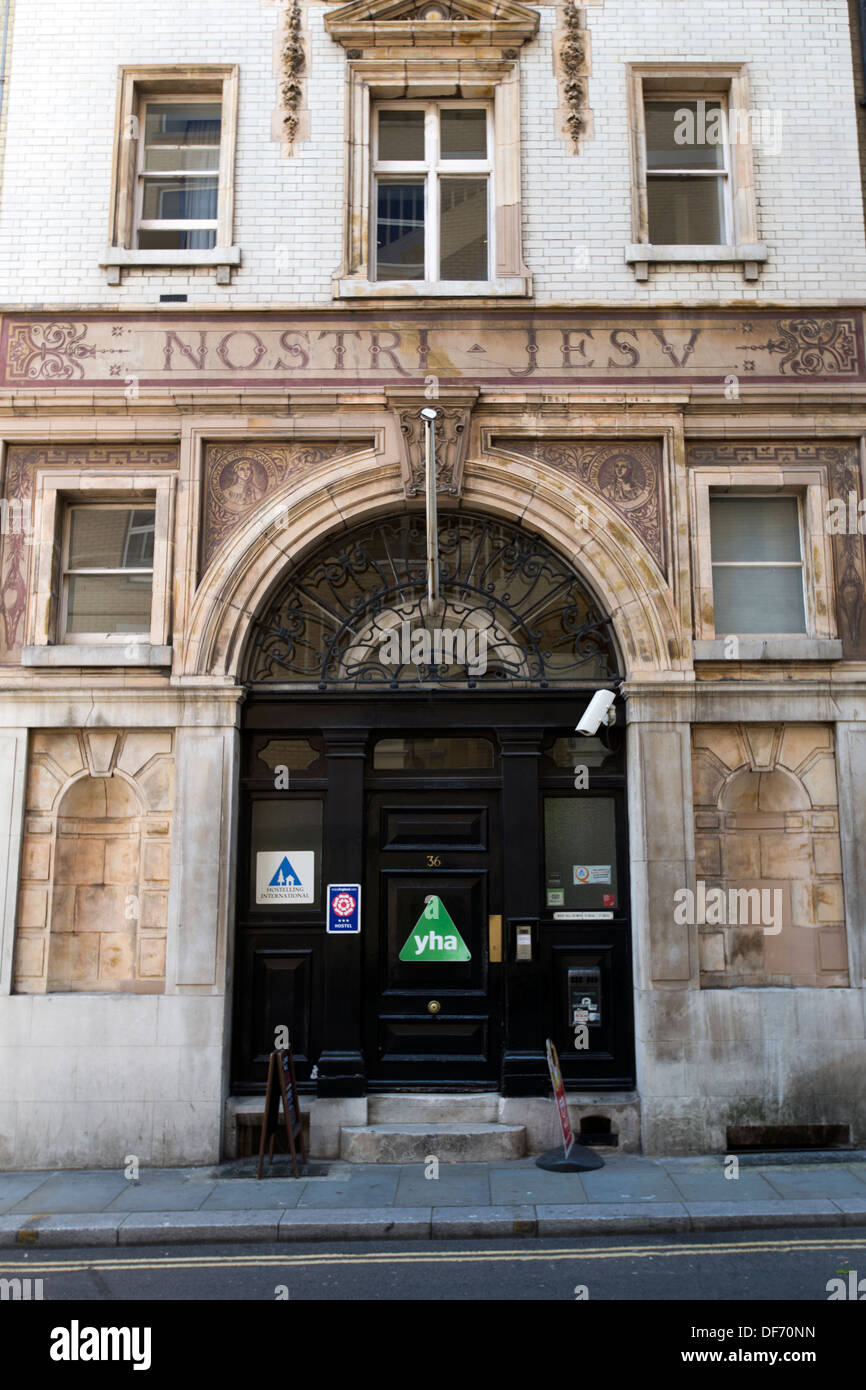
(293, 61)
(573, 60)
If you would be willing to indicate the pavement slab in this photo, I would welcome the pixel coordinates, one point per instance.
(802, 1182)
(64, 1192)
(713, 1186)
(361, 1190)
(14, 1187)
(162, 1195)
(253, 1196)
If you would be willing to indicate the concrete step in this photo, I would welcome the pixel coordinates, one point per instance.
(463, 1142)
(438, 1109)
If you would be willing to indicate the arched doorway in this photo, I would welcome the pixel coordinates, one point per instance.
(429, 756)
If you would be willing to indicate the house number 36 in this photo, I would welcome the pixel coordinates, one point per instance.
(433, 861)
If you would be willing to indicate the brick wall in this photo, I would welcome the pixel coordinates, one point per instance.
(61, 95)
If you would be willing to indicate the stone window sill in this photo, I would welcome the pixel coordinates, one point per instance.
(116, 259)
(749, 256)
(108, 654)
(426, 289)
(770, 649)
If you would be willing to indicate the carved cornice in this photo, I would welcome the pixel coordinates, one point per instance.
(366, 24)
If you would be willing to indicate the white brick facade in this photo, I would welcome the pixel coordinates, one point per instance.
(61, 92)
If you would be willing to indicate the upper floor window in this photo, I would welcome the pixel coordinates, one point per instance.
(693, 177)
(688, 178)
(757, 559)
(107, 572)
(432, 171)
(172, 194)
(177, 200)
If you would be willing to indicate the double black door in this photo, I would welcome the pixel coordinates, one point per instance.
(432, 993)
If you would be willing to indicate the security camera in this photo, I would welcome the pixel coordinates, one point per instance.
(599, 711)
(428, 413)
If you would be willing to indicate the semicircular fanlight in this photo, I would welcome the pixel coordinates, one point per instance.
(355, 612)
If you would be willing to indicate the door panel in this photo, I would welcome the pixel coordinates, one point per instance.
(444, 849)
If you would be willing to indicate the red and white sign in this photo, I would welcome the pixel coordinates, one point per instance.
(344, 904)
(559, 1092)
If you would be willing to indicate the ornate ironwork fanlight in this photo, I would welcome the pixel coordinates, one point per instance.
(356, 613)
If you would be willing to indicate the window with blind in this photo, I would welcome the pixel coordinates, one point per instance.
(757, 561)
(108, 558)
(687, 171)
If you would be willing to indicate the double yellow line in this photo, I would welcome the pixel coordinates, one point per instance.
(766, 1246)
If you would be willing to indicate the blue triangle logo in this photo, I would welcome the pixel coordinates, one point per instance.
(285, 874)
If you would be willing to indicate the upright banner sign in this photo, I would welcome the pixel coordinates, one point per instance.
(344, 908)
(559, 1092)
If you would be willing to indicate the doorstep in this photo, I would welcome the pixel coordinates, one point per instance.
(601, 1113)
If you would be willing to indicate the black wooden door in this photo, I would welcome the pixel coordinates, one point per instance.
(433, 864)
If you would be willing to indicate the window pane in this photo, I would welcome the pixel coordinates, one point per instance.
(400, 230)
(685, 135)
(293, 830)
(463, 229)
(686, 212)
(176, 239)
(109, 603)
(110, 538)
(170, 159)
(173, 200)
(433, 754)
(401, 135)
(567, 753)
(580, 853)
(463, 134)
(186, 123)
(758, 600)
(754, 528)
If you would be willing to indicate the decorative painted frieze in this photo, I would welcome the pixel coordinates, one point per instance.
(493, 348)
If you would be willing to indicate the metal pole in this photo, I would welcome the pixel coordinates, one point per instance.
(429, 416)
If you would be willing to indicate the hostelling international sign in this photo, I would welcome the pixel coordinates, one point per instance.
(136, 351)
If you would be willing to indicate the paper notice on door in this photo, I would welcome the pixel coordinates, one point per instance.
(592, 873)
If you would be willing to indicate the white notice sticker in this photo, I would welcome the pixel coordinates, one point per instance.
(286, 876)
(592, 873)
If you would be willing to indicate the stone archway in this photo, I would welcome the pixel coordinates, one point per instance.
(621, 573)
